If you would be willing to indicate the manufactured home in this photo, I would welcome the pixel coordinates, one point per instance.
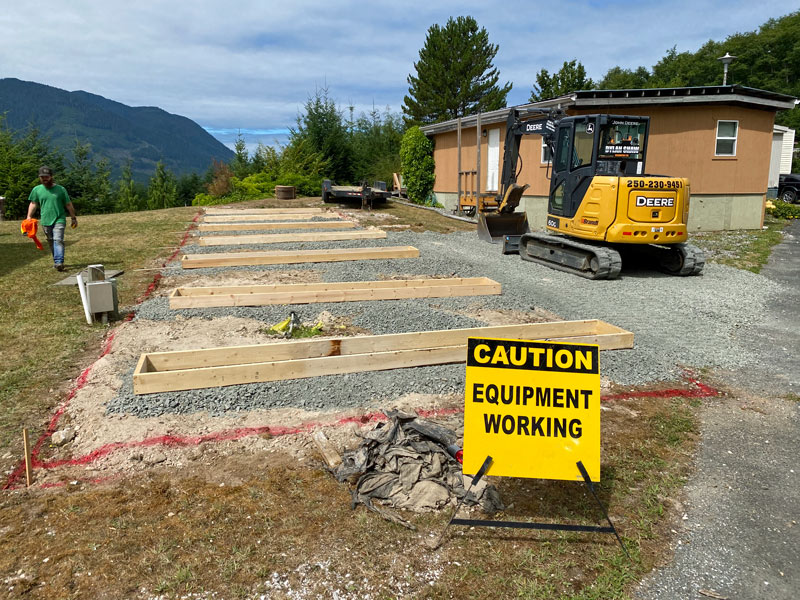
(720, 137)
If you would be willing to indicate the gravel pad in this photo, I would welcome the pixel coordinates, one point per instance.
(677, 321)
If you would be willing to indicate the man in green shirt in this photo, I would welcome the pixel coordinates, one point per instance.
(54, 203)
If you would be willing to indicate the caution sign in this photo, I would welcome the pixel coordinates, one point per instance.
(534, 407)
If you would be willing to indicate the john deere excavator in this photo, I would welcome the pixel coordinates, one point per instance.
(601, 203)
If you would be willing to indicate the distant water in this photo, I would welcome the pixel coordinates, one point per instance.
(252, 137)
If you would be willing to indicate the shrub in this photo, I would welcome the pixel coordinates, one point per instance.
(783, 210)
(416, 156)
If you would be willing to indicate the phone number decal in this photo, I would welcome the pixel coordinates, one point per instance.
(655, 184)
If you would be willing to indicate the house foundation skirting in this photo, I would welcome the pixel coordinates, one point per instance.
(707, 212)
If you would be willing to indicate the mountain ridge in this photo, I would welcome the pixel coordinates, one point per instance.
(115, 131)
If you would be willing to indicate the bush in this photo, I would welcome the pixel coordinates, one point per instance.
(783, 210)
(416, 156)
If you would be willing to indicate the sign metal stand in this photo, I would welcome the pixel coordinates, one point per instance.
(540, 526)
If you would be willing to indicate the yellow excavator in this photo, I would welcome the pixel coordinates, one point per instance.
(601, 203)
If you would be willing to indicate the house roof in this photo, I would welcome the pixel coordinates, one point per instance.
(602, 99)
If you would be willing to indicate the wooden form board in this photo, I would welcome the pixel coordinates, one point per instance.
(287, 257)
(266, 218)
(280, 238)
(214, 367)
(276, 225)
(305, 293)
(264, 211)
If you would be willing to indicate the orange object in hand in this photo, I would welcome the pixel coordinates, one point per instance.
(28, 227)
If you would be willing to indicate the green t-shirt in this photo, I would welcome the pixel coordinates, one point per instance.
(52, 204)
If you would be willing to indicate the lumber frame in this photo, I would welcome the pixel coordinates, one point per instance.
(285, 257)
(281, 238)
(242, 226)
(306, 293)
(215, 367)
(265, 211)
(267, 218)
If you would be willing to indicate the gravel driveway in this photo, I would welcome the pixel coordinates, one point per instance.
(740, 537)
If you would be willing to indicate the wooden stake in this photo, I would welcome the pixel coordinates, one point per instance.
(28, 469)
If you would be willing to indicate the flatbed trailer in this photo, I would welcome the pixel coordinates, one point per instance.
(367, 194)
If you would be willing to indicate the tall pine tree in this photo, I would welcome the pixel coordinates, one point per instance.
(454, 75)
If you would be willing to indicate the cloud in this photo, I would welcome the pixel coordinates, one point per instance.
(251, 65)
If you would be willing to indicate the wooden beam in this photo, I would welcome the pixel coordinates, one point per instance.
(266, 218)
(281, 238)
(279, 225)
(264, 211)
(305, 293)
(287, 257)
(196, 369)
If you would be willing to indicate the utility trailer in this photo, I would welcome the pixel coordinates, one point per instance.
(367, 194)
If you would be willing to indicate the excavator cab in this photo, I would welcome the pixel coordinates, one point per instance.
(589, 145)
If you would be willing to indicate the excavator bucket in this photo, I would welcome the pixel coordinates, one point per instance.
(493, 227)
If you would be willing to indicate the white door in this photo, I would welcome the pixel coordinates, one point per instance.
(775, 160)
(493, 160)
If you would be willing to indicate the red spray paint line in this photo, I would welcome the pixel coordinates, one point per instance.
(700, 391)
(80, 382)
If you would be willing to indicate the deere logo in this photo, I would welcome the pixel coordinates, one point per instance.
(645, 201)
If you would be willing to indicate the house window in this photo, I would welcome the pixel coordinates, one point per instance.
(546, 158)
(727, 132)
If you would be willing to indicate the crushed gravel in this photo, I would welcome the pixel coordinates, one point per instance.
(677, 322)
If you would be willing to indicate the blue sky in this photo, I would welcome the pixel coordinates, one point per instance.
(249, 65)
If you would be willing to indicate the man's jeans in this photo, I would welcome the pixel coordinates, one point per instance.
(55, 238)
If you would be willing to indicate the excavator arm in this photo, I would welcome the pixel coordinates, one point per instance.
(503, 221)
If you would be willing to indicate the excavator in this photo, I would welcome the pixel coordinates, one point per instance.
(601, 205)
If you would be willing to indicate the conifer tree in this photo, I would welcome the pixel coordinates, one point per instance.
(162, 191)
(454, 75)
(127, 198)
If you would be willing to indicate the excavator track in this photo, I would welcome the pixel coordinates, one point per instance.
(565, 254)
(679, 259)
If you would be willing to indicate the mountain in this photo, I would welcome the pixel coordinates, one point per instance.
(118, 132)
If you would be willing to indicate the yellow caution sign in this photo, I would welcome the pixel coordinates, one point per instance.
(534, 407)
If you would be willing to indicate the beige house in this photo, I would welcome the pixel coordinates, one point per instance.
(720, 137)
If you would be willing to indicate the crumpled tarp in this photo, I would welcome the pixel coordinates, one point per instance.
(404, 463)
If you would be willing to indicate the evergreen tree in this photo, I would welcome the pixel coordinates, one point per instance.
(322, 130)
(188, 186)
(376, 146)
(162, 191)
(20, 159)
(454, 75)
(241, 160)
(128, 199)
(571, 77)
(88, 183)
(266, 160)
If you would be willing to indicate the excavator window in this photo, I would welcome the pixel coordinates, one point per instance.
(562, 149)
(557, 201)
(582, 146)
(622, 139)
